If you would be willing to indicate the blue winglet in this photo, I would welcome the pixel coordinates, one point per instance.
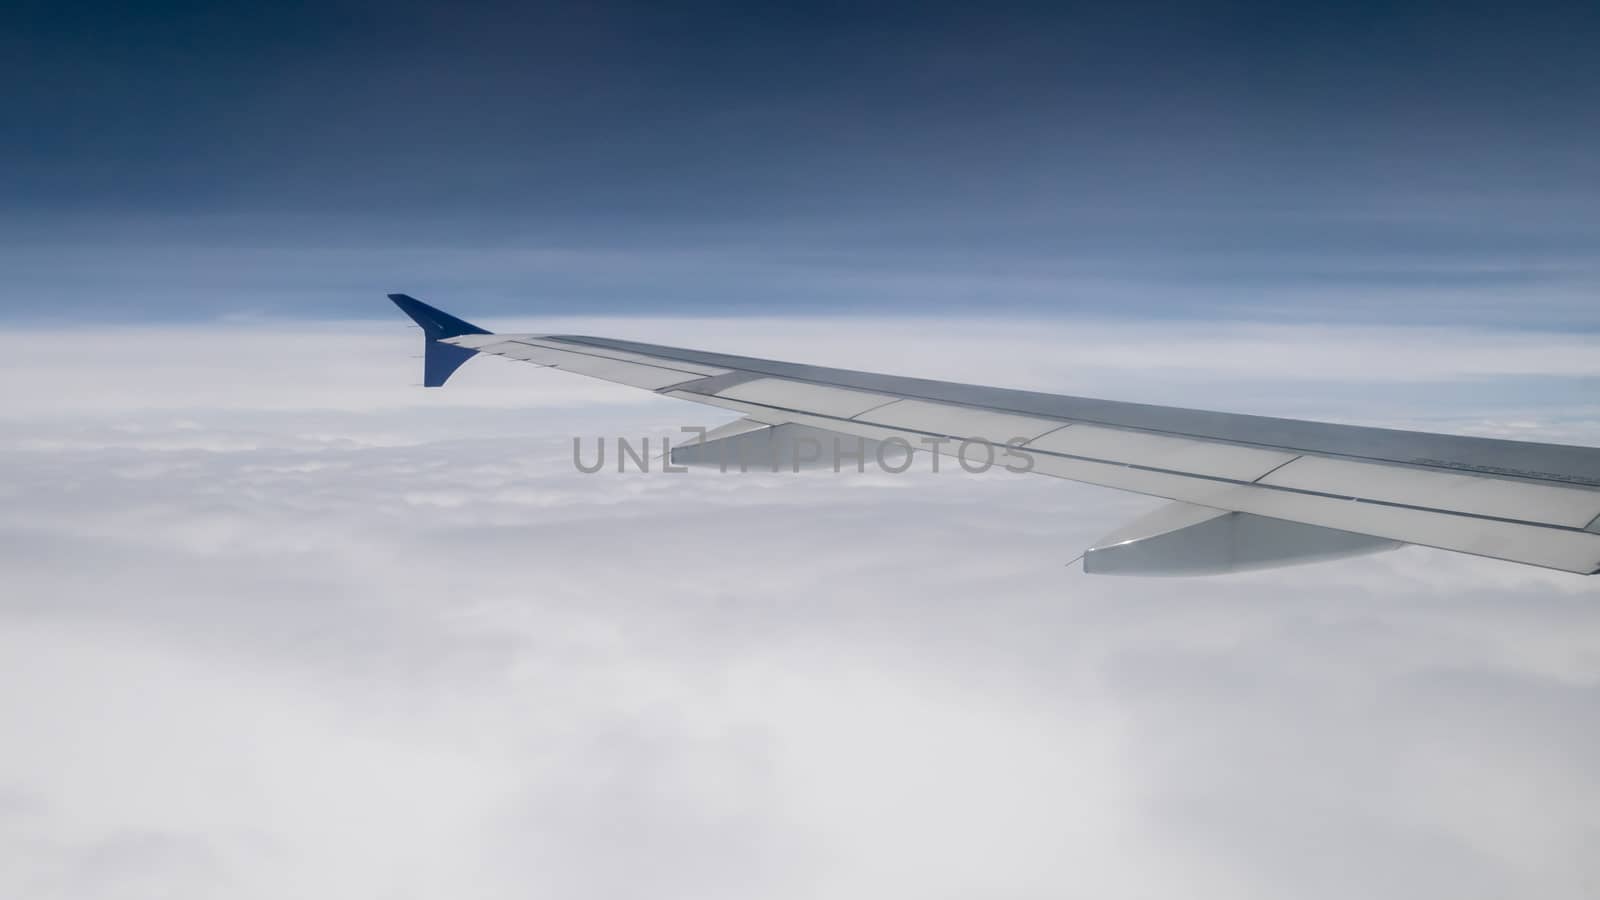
(439, 361)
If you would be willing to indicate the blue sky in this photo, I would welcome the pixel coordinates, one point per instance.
(1419, 163)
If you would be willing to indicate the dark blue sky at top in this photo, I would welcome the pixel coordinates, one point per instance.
(1414, 162)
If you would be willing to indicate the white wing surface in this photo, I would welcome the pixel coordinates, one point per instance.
(1349, 489)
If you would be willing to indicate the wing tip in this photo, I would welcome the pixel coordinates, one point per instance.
(440, 361)
(435, 322)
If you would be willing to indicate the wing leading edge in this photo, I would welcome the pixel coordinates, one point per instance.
(1350, 489)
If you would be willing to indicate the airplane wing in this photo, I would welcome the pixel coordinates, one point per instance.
(1249, 491)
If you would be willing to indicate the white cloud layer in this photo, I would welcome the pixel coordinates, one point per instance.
(274, 624)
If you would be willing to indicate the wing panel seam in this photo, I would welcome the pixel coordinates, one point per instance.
(1257, 479)
(858, 415)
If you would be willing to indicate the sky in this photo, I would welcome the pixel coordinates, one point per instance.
(1325, 162)
(276, 622)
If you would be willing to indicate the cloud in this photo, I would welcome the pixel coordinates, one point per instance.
(273, 623)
